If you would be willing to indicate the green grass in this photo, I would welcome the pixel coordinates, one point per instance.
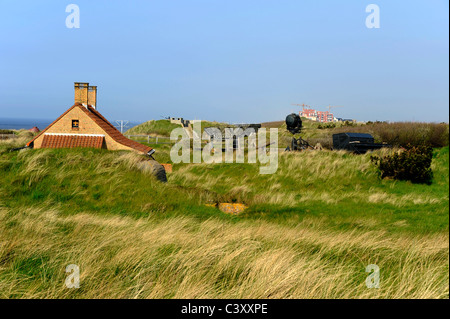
(309, 232)
(341, 186)
(153, 127)
(396, 133)
(164, 127)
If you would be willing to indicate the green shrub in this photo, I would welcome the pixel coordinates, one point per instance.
(348, 123)
(324, 126)
(412, 164)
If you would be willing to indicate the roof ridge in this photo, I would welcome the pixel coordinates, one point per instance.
(104, 124)
(115, 134)
(51, 124)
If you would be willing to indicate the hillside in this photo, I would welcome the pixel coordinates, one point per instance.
(164, 127)
(397, 134)
(309, 232)
(153, 127)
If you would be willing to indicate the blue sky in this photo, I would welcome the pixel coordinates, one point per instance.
(227, 60)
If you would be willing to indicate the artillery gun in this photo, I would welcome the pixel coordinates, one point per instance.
(294, 125)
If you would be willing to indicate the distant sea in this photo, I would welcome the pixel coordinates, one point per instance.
(17, 124)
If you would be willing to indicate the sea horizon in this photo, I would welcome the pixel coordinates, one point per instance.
(28, 123)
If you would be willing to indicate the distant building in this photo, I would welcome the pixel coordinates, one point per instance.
(325, 117)
(180, 120)
(318, 116)
(340, 119)
(310, 114)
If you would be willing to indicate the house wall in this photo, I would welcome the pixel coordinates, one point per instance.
(86, 126)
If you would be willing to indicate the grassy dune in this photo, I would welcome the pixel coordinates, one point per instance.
(183, 257)
(397, 134)
(310, 230)
(153, 127)
(164, 127)
(343, 187)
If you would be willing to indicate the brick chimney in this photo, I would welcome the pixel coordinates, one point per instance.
(86, 94)
(81, 92)
(92, 96)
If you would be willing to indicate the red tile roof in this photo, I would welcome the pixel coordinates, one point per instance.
(105, 125)
(71, 141)
(113, 132)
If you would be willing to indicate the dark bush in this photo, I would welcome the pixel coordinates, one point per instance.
(412, 164)
(348, 123)
(324, 126)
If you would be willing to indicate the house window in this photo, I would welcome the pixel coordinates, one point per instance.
(75, 124)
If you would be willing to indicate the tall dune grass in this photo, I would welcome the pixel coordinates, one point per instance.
(328, 176)
(120, 257)
(310, 231)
